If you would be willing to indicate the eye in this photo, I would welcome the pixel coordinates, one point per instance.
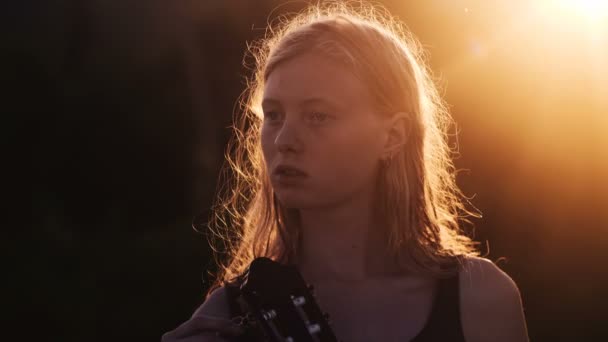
(318, 117)
(271, 116)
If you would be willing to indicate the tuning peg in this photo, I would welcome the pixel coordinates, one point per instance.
(311, 289)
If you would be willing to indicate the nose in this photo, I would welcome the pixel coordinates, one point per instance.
(288, 138)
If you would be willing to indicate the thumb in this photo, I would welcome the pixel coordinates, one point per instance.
(200, 324)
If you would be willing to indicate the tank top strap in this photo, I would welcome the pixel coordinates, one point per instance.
(444, 322)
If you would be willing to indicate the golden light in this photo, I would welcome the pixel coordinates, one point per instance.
(594, 12)
(541, 83)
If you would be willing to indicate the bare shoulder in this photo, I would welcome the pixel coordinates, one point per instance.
(491, 306)
(486, 279)
(216, 305)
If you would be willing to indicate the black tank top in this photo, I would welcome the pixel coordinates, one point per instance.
(442, 325)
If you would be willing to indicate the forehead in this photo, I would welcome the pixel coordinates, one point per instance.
(314, 76)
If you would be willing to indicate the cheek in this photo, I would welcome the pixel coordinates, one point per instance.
(352, 156)
(267, 142)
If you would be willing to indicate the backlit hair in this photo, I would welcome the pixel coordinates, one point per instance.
(417, 195)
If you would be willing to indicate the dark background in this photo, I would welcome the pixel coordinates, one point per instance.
(119, 111)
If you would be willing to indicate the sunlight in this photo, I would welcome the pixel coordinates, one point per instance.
(594, 12)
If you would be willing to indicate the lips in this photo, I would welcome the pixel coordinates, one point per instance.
(286, 170)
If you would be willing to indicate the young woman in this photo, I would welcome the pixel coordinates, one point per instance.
(341, 167)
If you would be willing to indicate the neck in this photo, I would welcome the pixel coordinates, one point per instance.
(342, 243)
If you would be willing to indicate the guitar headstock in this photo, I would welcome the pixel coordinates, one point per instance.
(283, 304)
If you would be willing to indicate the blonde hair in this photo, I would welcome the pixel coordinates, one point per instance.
(417, 193)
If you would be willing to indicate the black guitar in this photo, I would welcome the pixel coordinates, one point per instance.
(282, 304)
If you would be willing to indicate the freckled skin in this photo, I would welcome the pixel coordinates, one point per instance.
(339, 152)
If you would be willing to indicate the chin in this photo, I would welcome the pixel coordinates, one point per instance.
(292, 202)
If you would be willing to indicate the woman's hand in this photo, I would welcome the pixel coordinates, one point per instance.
(202, 328)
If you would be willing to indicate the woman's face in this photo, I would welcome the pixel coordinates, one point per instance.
(318, 118)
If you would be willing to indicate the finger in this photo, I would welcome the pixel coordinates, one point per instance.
(201, 337)
(198, 324)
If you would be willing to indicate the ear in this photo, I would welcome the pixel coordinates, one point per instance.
(397, 129)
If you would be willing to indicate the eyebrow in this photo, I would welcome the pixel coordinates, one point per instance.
(311, 100)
